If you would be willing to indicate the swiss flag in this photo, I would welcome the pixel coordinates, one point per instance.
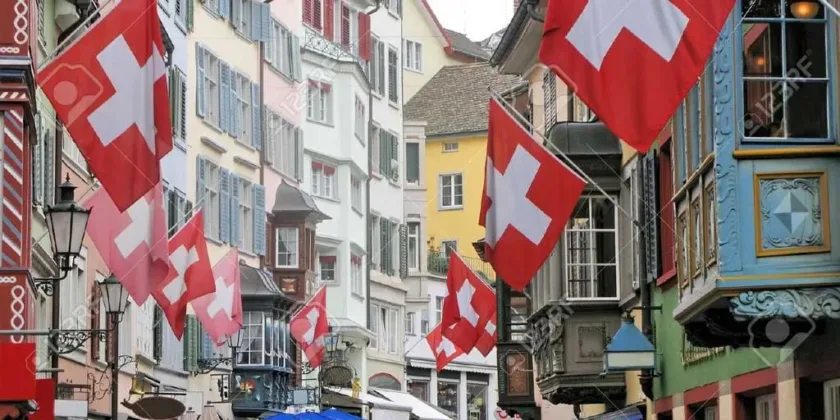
(632, 61)
(468, 305)
(310, 326)
(489, 336)
(133, 244)
(190, 275)
(220, 312)
(529, 196)
(109, 89)
(443, 348)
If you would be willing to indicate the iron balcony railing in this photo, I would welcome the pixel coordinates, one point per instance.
(438, 264)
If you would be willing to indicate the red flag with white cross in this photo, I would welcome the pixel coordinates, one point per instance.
(489, 336)
(632, 61)
(220, 312)
(443, 348)
(190, 275)
(529, 196)
(310, 326)
(133, 244)
(109, 89)
(468, 305)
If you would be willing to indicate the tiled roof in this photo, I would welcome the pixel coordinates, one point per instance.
(463, 45)
(455, 99)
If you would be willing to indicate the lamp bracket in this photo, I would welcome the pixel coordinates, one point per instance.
(45, 284)
(68, 341)
(209, 365)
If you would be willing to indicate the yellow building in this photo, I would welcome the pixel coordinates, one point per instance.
(453, 104)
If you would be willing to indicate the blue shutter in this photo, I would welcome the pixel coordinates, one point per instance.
(256, 21)
(296, 71)
(234, 210)
(224, 98)
(224, 8)
(259, 219)
(206, 345)
(235, 13)
(233, 105)
(199, 80)
(265, 22)
(256, 132)
(224, 206)
(200, 178)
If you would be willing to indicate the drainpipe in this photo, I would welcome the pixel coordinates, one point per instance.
(369, 219)
(263, 128)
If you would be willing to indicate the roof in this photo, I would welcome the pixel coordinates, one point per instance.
(256, 282)
(490, 43)
(291, 199)
(455, 100)
(460, 43)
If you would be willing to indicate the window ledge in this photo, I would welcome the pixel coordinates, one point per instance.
(377, 95)
(334, 200)
(450, 208)
(413, 70)
(357, 211)
(73, 165)
(180, 25)
(319, 122)
(213, 145)
(181, 144)
(357, 296)
(246, 163)
(288, 78)
(247, 253)
(393, 104)
(213, 240)
(210, 124)
(248, 146)
(243, 36)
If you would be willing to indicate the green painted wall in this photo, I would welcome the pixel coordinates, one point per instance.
(669, 342)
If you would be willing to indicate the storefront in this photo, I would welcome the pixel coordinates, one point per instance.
(461, 394)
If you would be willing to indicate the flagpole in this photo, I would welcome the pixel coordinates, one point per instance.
(568, 160)
(58, 48)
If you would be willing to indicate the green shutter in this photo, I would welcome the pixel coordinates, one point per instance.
(191, 346)
(190, 14)
(383, 244)
(157, 333)
(403, 251)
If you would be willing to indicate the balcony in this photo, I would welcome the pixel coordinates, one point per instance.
(314, 41)
(438, 264)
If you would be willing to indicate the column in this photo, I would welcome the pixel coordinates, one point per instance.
(726, 400)
(679, 411)
(787, 391)
(462, 396)
(433, 387)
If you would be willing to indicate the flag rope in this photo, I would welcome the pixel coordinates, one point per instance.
(71, 38)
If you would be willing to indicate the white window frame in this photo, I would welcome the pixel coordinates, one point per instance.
(75, 299)
(386, 328)
(211, 88)
(450, 146)
(181, 14)
(252, 329)
(765, 407)
(72, 152)
(356, 193)
(413, 56)
(356, 276)
(360, 127)
(281, 145)
(375, 247)
(143, 326)
(378, 67)
(410, 318)
(212, 199)
(710, 413)
(323, 185)
(322, 266)
(293, 254)
(831, 398)
(319, 102)
(413, 229)
(593, 267)
(438, 309)
(456, 176)
(424, 322)
(243, 99)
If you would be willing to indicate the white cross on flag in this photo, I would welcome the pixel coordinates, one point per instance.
(220, 313)
(529, 196)
(488, 337)
(310, 326)
(133, 244)
(468, 305)
(190, 275)
(109, 89)
(443, 349)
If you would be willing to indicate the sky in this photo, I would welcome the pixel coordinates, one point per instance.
(477, 18)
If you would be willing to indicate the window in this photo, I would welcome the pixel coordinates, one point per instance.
(591, 244)
(377, 66)
(393, 74)
(395, 7)
(765, 407)
(125, 337)
(212, 202)
(710, 413)
(245, 193)
(360, 126)
(413, 246)
(181, 12)
(287, 248)
(409, 323)
(282, 51)
(784, 72)
(241, 18)
(72, 152)
(451, 191)
(450, 146)
(284, 146)
(413, 57)
(581, 112)
(323, 180)
(375, 145)
(327, 267)
(356, 193)
(144, 322)
(43, 169)
(376, 257)
(666, 210)
(319, 102)
(387, 245)
(345, 26)
(438, 309)
(385, 322)
(389, 158)
(384, 381)
(476, 395)
(448, 398)
(253, 339)
(419, 389)
(448, 247)
(357, 281)
(74, 296)
(412, 163)
(424, 321)
(242, 107)
(178, 103)
(210, 66)
(312, 13)
(178, 209)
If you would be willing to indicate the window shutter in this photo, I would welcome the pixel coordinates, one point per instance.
(235, 13)
(384, 148)
(191, 346)
(651, 216)
(329, 19)
(256, 120)
(383, 244)
(299, 154)
(296, 59)
(403, 252)
(171, 82)
(307, 11)
(399, 7)
(364, 36)
(395, 153)
(345, 25)
(234, 210)
(270, 132)
(38, 167)
(157, 331)
(190, 15)
(206, 346)
(380, 51)
(199, 80)
(224, 8)
(225, 96)
(259, 220)
(95, 297)
(233, 105)
(49, 168)
(200, 178)
(256, 21)
(265, 22)
(316, 14)
(182, 117)
(224, 205)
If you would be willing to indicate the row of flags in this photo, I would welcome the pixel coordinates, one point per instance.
(109, 88)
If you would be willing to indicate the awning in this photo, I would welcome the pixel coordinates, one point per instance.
(339, 415)
(419, 408)
(380, 408)
(458, 367)
(627, 413)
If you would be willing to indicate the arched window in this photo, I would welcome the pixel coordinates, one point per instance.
(385, 381)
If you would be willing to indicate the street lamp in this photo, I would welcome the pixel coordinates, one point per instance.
(629, 350)
(66, 222)
(116, 301)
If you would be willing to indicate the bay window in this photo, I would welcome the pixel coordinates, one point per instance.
(319, 102)
(591, 244)
(252, 349)
(323, 180)
(287, 247)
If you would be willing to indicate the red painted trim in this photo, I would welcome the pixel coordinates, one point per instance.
(752, 35)
(666, 277)
(448, 47)
(754, 380)
(701, 394)
(664, 405)
(664, 135)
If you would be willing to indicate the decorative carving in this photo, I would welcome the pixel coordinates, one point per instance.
(586, 395)
(21, 22)
(817, 303)
(790, 213)
(719, 327)
(517, 374)
(592, 340)
(725, 165)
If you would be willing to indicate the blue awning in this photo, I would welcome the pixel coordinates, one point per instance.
(339, 415)
(627, 413)
(310, 416)
(281, 416)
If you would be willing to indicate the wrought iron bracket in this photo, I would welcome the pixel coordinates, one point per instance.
(68, 341)
(46, 284)
(306, 368)
(209, 365)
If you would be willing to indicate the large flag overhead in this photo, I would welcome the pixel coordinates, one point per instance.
(132, 243)
(468, 305)
(443, 348)
(632, 61)
(109, 89)
(220, 312)
(529, 196)
(310, 326)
